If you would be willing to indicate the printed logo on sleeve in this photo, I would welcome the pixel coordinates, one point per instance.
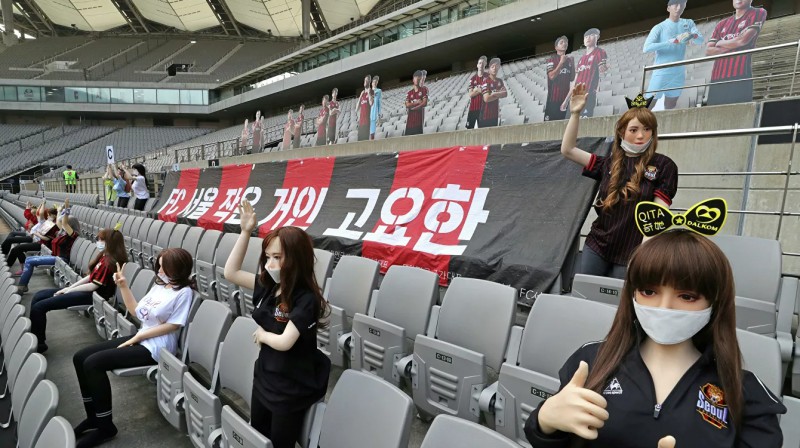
(712, 406)
(281, 314)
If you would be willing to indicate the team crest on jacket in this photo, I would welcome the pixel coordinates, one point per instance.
(614, 388)
(650, 172)
(712, 406)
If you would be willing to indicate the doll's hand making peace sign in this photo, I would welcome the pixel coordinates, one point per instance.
(119, 277)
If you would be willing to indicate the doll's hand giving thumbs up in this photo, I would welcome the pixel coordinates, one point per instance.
(574, 409)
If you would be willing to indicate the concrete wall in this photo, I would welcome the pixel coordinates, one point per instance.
(702, 155)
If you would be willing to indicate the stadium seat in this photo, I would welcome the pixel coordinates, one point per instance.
(323, 266)
(104, 312)
(22, 350)
(165, 240)
(125, 325)
(236, 432)
(204, 410)
(451, 367)
(147, 244)
(556, 327)
(402, 308)
(224, 288)
(205, 333)
(204, 263)
(39, 409)
(11, 336)
(598, 289)
(243, 297)
(348, 292)
(447, 431)
(30, 374)
(137, 238)
(57, 434)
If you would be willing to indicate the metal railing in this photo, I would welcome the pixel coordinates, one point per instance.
(792, 74)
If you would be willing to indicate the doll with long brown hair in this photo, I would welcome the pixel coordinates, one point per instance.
(633, 172)
(669, 372)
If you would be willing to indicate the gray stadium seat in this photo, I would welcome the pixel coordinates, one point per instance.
(10, 338)
(23, 348)
(323, 266)
(138, 237)
(147, 244)
(204, 410)
(39, 409)
(105, 314)
(163, 241)
(447, 431)
(30, 374)
(598, 289)
(140, 287)
(191, 239)
(348, 292)
(224, 288)
(237, 433)
(204, 263)
(365, 410)
(57, 434)
(451, 367)
(243, 297)
(556, 327)
(206, 331)
(402, 309)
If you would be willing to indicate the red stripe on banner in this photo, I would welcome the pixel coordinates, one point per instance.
(181, 195)
(305, 186)
(435, 204)
(229, 195)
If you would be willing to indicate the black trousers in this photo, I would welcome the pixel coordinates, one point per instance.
(45, 301)
(91, 364)
(472, 118)
(18, 252)
(282, 429)
(139, 204)
(122, 202)
(15, 238)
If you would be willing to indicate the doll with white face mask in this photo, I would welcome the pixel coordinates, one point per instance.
(669, 373)
(633, 172)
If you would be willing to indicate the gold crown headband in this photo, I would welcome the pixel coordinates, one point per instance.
(706, 217)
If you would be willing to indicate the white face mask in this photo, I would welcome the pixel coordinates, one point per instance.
(669, 327)
(274, 273)
(631, 148)
(101, 245)
(164, 278)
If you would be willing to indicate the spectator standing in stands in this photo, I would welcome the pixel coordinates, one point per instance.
(363, 110)
(70, 179)
(333, 107)
(590, 66)
(322, 123)
(673, 336)
(632, 173)
(560, 73)
(290, 374)
(122, 186)
(493, 89)
(668, 40)
(475, 93)
(416, 100)
(42, 234)
(288, 130)
(108, 183)
(298, 126)
(139, 175)
(163, 312)
(69, 229)
(375, 101)
(736, 33)
(34, 220)
(111, 247)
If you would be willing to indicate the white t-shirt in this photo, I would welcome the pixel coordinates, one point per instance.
(164, 305)
(140, 188)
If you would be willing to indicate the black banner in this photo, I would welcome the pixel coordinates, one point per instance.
(504, 213)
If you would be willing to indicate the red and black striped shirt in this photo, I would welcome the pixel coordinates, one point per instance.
(322, 127)
(363, 109)
(103, 276)
(558, 87)
(416, 117)
(491, 109)
(588, 71)
(737, 66)
(62, 244)
(476, 102)
(614, 235)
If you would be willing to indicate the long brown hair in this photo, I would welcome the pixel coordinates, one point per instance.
(684, 260)
(630, 191)
(115, 248)
(297, 269)
(177, 264)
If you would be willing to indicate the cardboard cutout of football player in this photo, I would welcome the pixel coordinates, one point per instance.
(375, 101)
(738, 32)
(591, 65)
(288, 130)
(322, 123)
(298, 126)
(416, 100)
(475, 94)
(362, 110)
(257, 133)
(333, 108)
(245, 137)
(560, 70)
(493, 89)
(668, 40)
